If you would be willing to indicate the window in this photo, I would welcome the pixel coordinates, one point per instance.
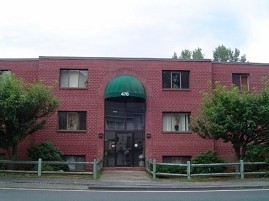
(176, 159)
(75, 167)
(176, 79)
(176, 122)
(4, 73)
(241, 81)
(72, 121)
(74, 78)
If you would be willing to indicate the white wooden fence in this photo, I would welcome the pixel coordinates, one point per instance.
(96, 166)
(151, 167)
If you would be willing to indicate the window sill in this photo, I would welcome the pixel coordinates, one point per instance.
(174, 89)
(71, 131)
(73, 88)
(177, 132)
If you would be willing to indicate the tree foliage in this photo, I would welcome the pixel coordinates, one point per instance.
(24, 108)
(241, 118)
(188, 54)
(197, 54)
(175, 56)
(223, 54)
(257, 153)
(220, 54)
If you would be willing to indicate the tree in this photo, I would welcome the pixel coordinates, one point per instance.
(235, 116)
(185, 54)
(174, 56)
(223, 54)
(197, 54)
(24, 109)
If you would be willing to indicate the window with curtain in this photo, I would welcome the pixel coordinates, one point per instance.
(72, 121)
(74, 78)
(175, 79)
(176, 122)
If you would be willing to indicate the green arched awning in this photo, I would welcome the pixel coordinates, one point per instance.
(125, 85)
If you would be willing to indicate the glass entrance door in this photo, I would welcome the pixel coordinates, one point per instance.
(124, 149)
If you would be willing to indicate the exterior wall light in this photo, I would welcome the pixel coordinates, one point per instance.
(148, 135)
(100, 135)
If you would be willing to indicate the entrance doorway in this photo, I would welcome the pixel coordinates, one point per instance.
(125, 99)
(124, 131)
(124, 149)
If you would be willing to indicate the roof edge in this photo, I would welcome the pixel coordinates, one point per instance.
(19, 59)
(121, 58)
(241, 63)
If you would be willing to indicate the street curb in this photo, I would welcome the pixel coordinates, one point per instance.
(131, 186)
(158, 188)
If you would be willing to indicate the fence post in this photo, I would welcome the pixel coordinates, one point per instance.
(241, 169)
(94, 169)
(154, 169)
(189, 170)
(39, 167)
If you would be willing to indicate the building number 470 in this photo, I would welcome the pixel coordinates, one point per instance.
(125, 94)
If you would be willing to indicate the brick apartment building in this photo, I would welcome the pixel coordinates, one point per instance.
(125, 109)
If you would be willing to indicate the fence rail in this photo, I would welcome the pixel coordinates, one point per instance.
(151, 167)
(97, 166)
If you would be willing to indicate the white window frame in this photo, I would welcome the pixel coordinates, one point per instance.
(171, 119)
(72, 121)
(74, 78)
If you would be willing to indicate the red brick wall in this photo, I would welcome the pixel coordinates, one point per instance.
(149, 72)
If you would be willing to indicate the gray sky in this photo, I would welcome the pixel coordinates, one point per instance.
(132, 28)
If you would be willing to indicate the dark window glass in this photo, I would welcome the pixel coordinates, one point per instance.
(185, 82)
(166, 79)
(236, 79)
(82, 120)
(241, 81)
(176, 159)
(125, 113)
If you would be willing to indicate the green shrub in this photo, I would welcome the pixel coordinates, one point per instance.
(208, 158)
(45, 168)
(47, 152)
(171, 169)
(257, 153)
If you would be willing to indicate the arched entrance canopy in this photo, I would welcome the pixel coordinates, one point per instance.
(125, 85)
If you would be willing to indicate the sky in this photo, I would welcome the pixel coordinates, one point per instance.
(133, 28)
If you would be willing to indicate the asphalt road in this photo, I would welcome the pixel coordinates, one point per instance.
(83, 195)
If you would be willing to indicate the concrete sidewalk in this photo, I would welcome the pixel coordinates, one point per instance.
(127, 181)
